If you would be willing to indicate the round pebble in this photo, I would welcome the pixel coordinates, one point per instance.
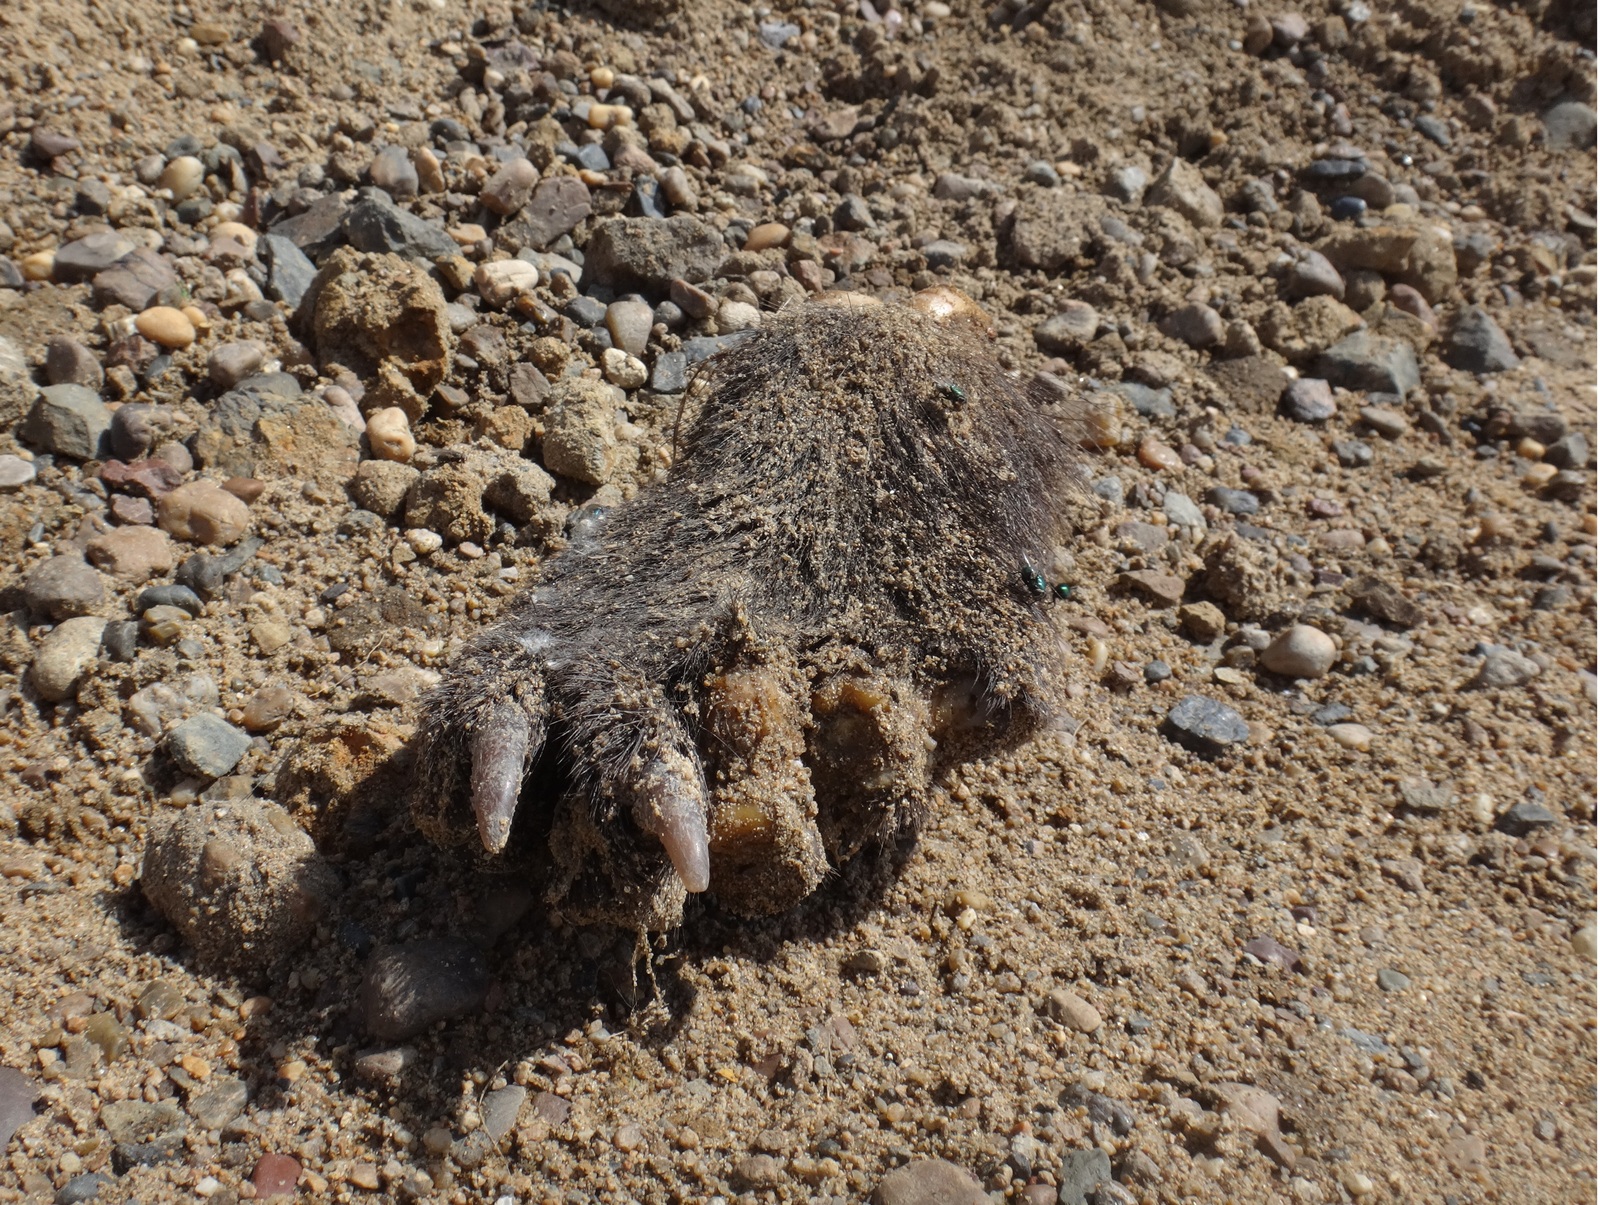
(623, 370)
(1301, 652)
(169, 327)
(1357, 737)
(182, 177)
(389, 435)
(508, 189)
(202, 512)
(768, 234)
(629, 321)
(65, 655)
(503, 281)
(230, 363)
(423, 541)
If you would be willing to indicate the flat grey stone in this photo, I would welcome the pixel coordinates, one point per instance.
(207, 746)
(1081, 1173)
(650, 253)
(1569, 125)
(69, 420)
(375, 224)
(289, 270)
(80, 260)
(1206, 725)
(929, 1182)
(17, 1094)
(1365, 362)
(1476, 343)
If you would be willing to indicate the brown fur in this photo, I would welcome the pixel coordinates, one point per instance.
(822, 607)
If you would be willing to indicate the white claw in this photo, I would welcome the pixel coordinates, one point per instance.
(499, 760)
(671, 807)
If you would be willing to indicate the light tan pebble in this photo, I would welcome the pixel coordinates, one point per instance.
(468, 234)
(182, 177)
(605, 117)
(198, 318)
(1357, 737)
(72, 646)
(1073, 1010)
(1357, 1184)
(508, 189)
(737, 316)
(364, 1176)
(623, 370)
(768, 234)
(1591, 523)
(1530, 449)
(1583, 942)
(164, 325)
(241, 289)
(680, 191)
(503, 281)
(423, 541)
(602, 78)
(206, 1186)
(1154, 454)
(1539, 475)
(389, 435)
(203, 513)
(593, 179)
(1301, 651)
(1379, 549)
(41, 265)
(238, 232)
(430, 176)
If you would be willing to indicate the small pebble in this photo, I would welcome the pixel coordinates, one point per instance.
(1300, 652)
(1357, 737)
(501, 282)
(164, 325)
(65, 655)
(182, 177)
(389, 435)
(275, 1176)
(623, 370)
(1072, 1010)
(207, 746)
(202, 512)
(230, 363)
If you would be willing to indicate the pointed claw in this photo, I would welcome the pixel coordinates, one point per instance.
(499, 761)
(672, 808)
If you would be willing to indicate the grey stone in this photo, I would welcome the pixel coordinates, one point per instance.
(1196, 324)
(83, 1187)
(1068, 329)
(1352, 453)
(68, 420)
(949, 186)
(1127, 183)
(557, 205)
(408, 988)
(1146, 402)
(393, 171)
(289, 271)
(777, 34)
(1311, 275)
(230, 363)
(1521, 819)
(1476, 343)
(929, 1182)
(1109, 488)
(138, 1121)
(670, 372)
(1433, 129)
(134, 280)
(500, 1109)
(207, 746)
(376, 224)
(1182, 511)
(1363, 362)
(1182, 188)
(1308, 400)
(629, 321)
(1042, 173)
(853, 214)
(650, 253)
(944, 253)
(1571, 451)
(703, 347)
(68, 362)
(1234, 502)
(62, 587)
(1391, 980)
(1504, 667)
(80, 260)
(1081, 1173)
(1206, 725)
(220, 1103)
(320, 228)
(17, 1094)
(1569, 125)
(168, 596)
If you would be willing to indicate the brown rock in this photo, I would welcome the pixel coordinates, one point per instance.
(202, 512)
(132, 554)
(383, 319)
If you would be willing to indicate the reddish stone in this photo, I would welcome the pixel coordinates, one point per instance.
(275, 1176)
(152, 478)
(131, 511)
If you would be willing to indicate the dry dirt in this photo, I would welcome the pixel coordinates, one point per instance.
(1106, 940)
